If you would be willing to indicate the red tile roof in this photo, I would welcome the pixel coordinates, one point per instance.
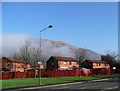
(13, 59)
(96, 61)
(59, 58)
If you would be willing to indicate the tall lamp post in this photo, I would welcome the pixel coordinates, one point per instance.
(50, 26)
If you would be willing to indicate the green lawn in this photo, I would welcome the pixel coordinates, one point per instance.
(48, 80)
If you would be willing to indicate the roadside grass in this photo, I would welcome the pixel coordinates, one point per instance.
(48, 80)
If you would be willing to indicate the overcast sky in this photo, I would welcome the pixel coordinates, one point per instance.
(88, 25)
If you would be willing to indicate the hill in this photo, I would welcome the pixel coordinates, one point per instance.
(59, 48)
(49, 48)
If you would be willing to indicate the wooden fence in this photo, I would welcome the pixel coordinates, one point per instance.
(57, 73)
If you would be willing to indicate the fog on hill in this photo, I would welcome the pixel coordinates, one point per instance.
(49, 48)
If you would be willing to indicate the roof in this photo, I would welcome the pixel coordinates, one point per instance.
(59, 58)
(4, 69)
(13, 59)
(96, 61)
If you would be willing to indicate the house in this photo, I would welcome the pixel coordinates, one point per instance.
(38, 66)
(61, 63)
(95, 64)
(12, 64)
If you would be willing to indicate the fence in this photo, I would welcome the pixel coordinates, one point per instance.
(57, 73)
(86, 72)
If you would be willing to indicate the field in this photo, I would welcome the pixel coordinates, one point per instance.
(48, 80)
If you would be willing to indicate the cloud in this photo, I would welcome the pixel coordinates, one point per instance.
(11, 42)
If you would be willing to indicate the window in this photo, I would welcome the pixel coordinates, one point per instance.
(68, 62)
(99, 64)
(13, 64)
(8, 64)
(65, 62)
(93, 64)
(106, 64)
(96, 64)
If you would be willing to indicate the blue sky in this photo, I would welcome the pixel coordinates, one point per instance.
(88, 25)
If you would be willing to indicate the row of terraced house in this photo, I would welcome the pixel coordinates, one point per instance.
(53, 63)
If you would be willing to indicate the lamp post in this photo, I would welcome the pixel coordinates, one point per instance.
(50, 26)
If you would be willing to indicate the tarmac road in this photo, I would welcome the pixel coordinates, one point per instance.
(112, 84)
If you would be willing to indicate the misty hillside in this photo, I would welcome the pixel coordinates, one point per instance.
(59, 48)
(49, 48)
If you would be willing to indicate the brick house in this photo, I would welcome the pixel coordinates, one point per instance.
(38, 66)
(95, 64)
(61, 63)
(12, 64)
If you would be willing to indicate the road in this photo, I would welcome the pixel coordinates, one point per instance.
(99, 85)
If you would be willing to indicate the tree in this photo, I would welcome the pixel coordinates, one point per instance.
(24, 54)
(15, 56)
(35, 54)
(110, 58)
(80, 56)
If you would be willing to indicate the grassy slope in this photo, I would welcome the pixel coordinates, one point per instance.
(31, 81)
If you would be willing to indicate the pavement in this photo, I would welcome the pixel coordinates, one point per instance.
(108, 84)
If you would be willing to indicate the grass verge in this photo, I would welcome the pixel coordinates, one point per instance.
(48, 80)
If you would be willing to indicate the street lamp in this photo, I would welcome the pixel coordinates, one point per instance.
(39, 62)
(50, 26)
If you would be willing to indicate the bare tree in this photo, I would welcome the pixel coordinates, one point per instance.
(112, 53)
(24, 54)
(15, 56)
(80, 56)
(35, 52)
